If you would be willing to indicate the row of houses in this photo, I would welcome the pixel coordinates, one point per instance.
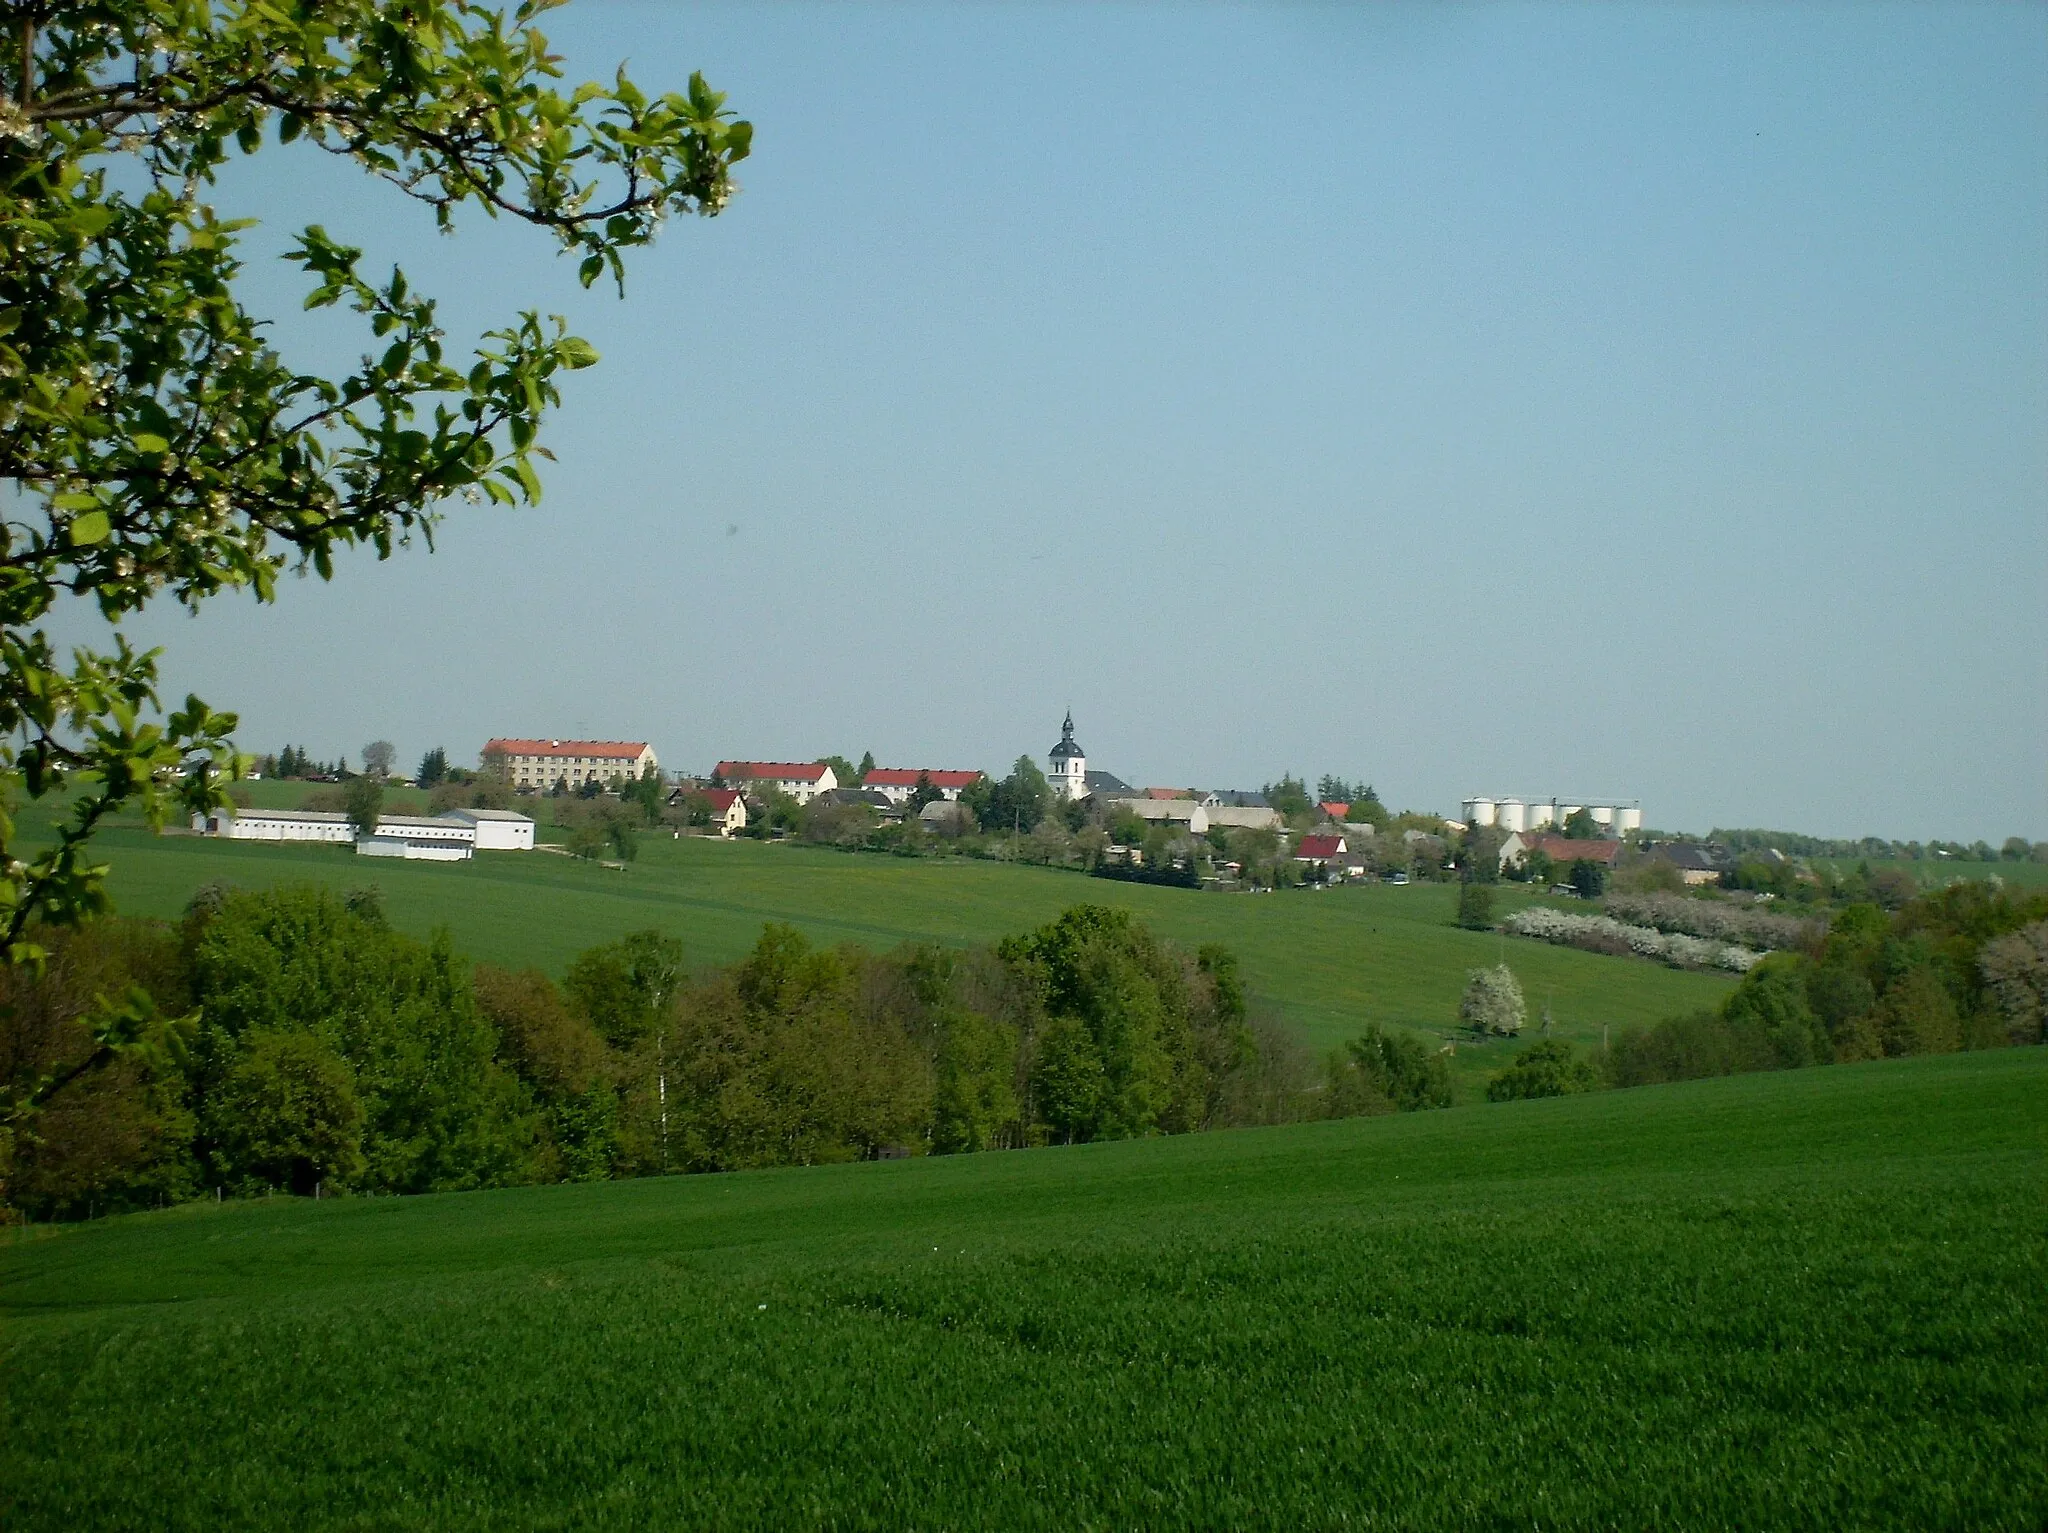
(805, 780)
(450, 837)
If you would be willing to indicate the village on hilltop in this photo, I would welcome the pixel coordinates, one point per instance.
(1061, 813)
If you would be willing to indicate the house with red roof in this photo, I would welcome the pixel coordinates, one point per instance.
(536, 766)
(1320, 851)
(1564, 852)
(728, 808)
(897, 783)
(801, 780)
(1332, 810)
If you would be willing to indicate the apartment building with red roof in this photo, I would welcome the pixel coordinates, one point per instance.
(897, 783)
(536, 766)
(801, 780)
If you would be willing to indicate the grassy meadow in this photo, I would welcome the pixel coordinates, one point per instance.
(1934, 872)
(1816, 1299)
(1328, 962)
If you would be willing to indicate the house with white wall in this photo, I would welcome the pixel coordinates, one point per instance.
(1186, 813)
(801, 780)
(1242, 817)
(497, 830)
(896, 784)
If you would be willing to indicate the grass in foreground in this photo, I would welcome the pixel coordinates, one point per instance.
(1803, 1300)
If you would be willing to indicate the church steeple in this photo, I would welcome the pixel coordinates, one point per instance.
(1069, 774)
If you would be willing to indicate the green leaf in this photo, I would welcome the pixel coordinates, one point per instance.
(75, 500)
(90, 528)
(149, 442)
(576, 352)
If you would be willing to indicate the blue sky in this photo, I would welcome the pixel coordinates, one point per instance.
(1648, 402)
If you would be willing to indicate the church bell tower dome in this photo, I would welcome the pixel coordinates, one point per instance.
(1069, 774)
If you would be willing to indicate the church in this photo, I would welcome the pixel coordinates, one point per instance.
(1069, 767)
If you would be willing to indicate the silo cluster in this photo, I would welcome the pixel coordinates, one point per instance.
(1615, 817)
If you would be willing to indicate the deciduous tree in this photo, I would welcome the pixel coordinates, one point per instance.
(1493, 1001)
(364, 797)
(155, 442)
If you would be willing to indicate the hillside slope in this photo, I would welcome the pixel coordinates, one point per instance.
(1813, 1299)
(1329, 962)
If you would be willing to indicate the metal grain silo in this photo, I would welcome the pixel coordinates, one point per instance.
(1510, 815)
(1603, 816)
(1479, 811)
(1627, 818)
(1541, 815)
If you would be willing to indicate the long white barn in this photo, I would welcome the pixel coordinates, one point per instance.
(274, 825)
(450, 837)
(419, 839)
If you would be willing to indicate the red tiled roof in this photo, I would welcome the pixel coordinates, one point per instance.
(1168, 794)
(621, 750)
(906, 777)
(1558, 849)
(1319, 847)
(773, 771)
(720, 799)
(1333, 809)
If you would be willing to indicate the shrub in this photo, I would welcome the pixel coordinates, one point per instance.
(1380, 1072)
(1551, 1068)
(1692, 1047)
(1475, 906)
(1588, 878)
(1716, 920)
(1603, 933)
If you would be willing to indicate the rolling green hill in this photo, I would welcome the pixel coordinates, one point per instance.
(1801, 1300)
(1328, 961)
(1934, 872)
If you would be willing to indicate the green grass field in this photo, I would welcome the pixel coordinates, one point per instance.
(1329, 962)
(1808, 1300)
(1933, 872)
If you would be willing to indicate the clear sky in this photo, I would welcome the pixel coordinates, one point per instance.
(1633, 401)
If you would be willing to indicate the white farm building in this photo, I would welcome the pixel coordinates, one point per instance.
(274, 825)
(450, 837)
(419, 839)
(497, 830)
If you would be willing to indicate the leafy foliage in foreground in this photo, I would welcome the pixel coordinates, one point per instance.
(154, 441)
(1798, 1300)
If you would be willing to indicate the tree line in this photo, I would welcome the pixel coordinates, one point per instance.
(1964, 967)
(292, 1041)
(1793, 844)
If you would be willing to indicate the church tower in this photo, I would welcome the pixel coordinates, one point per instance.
(1069, 774)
